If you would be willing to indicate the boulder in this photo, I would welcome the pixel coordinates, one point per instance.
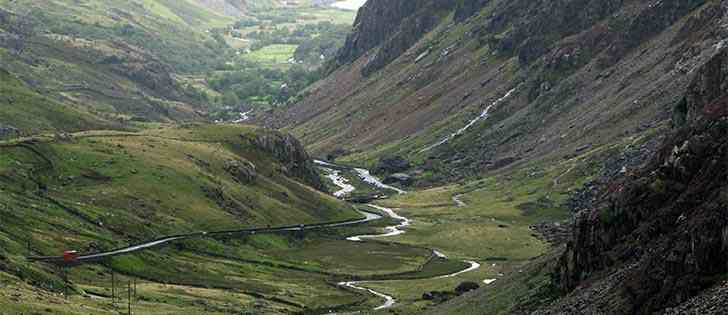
(398, 178)
(437, 296)
(465, 287)
(428, 296)
(391, 164)
(290, 153)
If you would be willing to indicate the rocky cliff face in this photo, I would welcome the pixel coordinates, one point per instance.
(661, 235)
(393, 26)
(291, 153)
(374, 25)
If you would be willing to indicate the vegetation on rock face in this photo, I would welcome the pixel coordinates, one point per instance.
(291, 153)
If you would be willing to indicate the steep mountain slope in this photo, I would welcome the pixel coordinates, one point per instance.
(560, 77)
(103, 144)
(233, 8)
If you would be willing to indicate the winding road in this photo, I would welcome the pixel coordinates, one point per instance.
(87, 258)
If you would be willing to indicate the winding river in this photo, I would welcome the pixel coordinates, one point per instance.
(344, 189)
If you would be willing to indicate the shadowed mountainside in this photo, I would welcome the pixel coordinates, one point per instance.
(563, 76)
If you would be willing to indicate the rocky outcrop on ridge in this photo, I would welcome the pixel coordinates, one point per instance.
(291, 153)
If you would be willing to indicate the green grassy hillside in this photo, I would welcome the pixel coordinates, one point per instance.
(27, 110)
(102, 190)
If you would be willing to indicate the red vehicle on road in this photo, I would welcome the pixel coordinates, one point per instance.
(70, 256)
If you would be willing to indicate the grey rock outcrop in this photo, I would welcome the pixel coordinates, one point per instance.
(8, 131)
(391, 164)
(393, 26)
(242, 171)
(466, 287)
(291, 154)
(399, 178)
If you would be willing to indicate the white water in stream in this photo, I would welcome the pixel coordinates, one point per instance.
(346, 188)
(483, 116)
(374, 181)
(335, 176)
(243, 117)
(365, 176)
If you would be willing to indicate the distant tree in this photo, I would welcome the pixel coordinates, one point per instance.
(220, 40)
(230, 99)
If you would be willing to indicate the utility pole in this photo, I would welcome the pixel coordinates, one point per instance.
(113, 287)
(63, 273)
(128, 287)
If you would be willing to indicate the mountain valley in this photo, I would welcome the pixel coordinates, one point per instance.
(363, 157)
